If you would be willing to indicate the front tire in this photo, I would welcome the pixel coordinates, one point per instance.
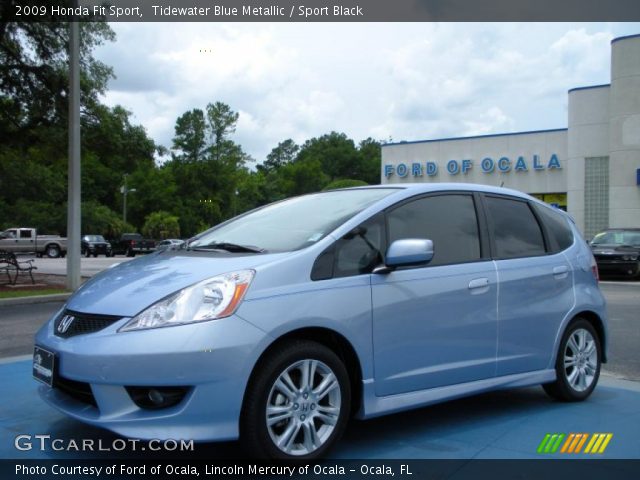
(578, 363)
(297, 403)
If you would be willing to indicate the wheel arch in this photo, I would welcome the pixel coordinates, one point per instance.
(597, 323)
(330, 339)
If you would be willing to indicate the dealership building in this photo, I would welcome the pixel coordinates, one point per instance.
(591, 169)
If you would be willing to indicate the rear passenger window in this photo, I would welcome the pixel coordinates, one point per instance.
(515, 230)
(557, 227)
(448, 220)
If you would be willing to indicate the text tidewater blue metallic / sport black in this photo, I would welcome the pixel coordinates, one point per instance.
(278, 325)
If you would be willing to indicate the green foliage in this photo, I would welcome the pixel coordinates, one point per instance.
(100, 220)
(161, 225)
(190, 136)
(345, 183)
(284, 153)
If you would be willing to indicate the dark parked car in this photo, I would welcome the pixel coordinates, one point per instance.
(95, 245)
(131, 244)
(617, 251)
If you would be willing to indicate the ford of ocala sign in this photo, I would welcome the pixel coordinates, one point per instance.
(487, 165)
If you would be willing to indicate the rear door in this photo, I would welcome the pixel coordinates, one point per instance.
(535, 285)
(26, 240)
(436, 325)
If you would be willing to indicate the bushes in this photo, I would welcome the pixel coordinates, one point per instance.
(161, 225)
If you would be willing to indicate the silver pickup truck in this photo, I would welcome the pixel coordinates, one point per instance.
(27, 240)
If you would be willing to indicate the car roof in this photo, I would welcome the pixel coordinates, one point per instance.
(414, 188)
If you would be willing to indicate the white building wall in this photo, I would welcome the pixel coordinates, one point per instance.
(588, 136)
(624, 133)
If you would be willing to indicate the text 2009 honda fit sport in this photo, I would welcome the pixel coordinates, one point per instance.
(278, 325)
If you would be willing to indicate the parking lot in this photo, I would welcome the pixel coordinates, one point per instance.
(507, 424)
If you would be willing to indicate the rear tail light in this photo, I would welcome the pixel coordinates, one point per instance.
(594, 269)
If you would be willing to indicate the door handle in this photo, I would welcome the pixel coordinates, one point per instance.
(478, 283)
(560, 270)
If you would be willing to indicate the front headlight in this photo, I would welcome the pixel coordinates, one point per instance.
(217, 297)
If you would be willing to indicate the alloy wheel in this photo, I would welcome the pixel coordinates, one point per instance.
(580, 359)
(303, 407)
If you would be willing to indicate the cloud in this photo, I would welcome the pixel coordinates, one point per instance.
(400, 81)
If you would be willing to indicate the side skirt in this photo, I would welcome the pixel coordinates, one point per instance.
(373, 406)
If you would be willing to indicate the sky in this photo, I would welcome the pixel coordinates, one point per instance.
(388, 81)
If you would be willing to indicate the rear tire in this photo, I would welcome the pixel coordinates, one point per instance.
(52, 251)
(297, 403)
(578, 363)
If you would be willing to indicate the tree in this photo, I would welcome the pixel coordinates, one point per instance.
(285, 152)
(100, 220)
(370, 161)
(161, 225)
(222, 123)
(336, 153)
(34, 74)
(190, 137)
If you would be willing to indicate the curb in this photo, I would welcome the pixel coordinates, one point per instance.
(29, 300)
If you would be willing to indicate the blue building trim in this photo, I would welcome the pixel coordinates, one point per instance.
(635, 35)
(589, 87)
(449, 139)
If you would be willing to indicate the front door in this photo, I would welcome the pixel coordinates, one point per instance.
(436, 325)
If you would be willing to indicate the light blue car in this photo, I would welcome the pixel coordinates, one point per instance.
(277, 326)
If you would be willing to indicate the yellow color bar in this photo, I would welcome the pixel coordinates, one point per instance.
(607, 439)
(594, 437)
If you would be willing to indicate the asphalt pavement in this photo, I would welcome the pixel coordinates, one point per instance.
(88, 266)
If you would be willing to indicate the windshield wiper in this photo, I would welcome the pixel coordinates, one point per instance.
(229, 247)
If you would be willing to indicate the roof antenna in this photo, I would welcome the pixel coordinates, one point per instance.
(502, 184)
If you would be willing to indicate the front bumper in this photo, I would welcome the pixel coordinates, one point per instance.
(618, 267)
(213, 358)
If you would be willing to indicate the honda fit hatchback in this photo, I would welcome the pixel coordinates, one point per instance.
(277, 326)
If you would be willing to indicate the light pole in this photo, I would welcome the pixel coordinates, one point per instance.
(124, 190)
(73, 208)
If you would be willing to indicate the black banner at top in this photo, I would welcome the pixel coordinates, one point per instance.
(321, 10)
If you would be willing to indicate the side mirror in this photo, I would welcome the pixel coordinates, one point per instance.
(407, 252)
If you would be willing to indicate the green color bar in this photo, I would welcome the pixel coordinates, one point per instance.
(555, 447)
(550, 443)
(543, 443)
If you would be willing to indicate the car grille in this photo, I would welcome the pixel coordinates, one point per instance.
(80, 391)
(70, 323)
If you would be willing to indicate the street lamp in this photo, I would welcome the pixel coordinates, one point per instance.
(124, 190)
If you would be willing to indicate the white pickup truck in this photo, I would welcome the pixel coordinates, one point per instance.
(27, 240)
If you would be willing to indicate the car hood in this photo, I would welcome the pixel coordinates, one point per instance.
(129, 287)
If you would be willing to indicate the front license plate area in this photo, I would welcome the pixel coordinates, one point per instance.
(44, 363)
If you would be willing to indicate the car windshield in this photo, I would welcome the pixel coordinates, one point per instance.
(94, 238)
(291, 224)
(617, 237)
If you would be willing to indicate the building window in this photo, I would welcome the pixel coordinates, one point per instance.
(596, 195)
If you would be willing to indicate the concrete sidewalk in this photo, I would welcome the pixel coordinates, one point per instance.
(500, 425)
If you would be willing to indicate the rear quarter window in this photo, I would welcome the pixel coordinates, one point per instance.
(558, 229)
